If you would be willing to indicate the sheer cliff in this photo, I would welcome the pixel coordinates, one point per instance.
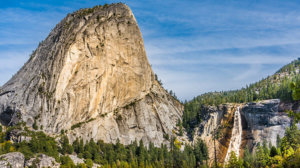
(91, 78)
(260, 121)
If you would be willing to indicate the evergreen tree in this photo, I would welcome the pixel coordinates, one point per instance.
(273, 151)
(234, 162)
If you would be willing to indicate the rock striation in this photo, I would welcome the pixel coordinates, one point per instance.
(91, 78)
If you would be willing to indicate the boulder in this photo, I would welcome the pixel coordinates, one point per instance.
(12, 160)
(42, 161)
(76, 160)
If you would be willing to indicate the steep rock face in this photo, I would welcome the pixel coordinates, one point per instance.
(217, 120)
(263, 121)
(91, 77)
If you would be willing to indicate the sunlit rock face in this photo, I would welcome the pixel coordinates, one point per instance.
(216, 119)
(91, 77)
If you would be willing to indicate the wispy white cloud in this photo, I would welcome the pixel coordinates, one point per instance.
(12, 60)
(252, 71)
(223, 59)
(170, 45)
(194, 46)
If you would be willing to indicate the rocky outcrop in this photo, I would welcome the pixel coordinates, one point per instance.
(42, 161)
(14, 159)
(91, 77)
(263, 121)
(78, 161)
(287, 106)
(17, 135)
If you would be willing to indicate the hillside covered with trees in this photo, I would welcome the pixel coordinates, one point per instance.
(276, 86)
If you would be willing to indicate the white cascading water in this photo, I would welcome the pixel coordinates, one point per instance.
(236, 136)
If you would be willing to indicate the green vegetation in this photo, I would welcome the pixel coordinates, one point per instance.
(80, 123)
(34, 125)
(137, 155)
(171, 93)
(108, 155)
(296, 96)
(86, 11)
(39, 143)
(285, 154)
(295, 86)
(284, 84)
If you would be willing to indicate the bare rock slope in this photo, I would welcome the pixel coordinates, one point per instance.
(91, 77)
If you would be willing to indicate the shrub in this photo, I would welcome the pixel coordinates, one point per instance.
(89, 163)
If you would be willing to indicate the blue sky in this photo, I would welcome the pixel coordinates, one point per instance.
(193, 46)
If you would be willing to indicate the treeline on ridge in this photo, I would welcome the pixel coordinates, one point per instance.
(276, 86)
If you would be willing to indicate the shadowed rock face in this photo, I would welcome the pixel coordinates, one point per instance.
(264, 121)
(91, 76)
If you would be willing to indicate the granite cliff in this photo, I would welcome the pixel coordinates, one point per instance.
(261, 121)
(91, 78)
(216, 120)
(264, 120)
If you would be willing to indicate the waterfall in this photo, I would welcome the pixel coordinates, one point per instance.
(236, 136)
